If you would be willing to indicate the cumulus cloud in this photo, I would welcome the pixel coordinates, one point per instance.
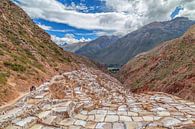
(125, 15)
(80, 7)
(49, 28)
(69, 39)
(44, 26)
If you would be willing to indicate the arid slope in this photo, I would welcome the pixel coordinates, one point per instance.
(169, 68)
(27, 55)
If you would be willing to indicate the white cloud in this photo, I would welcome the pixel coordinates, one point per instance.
(68, 38)
(80, 7)
(126, 15)
(44, 26)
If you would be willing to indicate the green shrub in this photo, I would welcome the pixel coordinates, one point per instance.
(15, 67)
(3, 78)
(1, 53)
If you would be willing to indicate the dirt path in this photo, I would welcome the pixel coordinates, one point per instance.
(10, 103)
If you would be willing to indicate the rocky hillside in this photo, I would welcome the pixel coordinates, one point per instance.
(93, 48)
(169, 68)
(142, 40)
(28, 56)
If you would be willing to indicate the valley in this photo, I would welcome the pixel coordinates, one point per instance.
(44, 87)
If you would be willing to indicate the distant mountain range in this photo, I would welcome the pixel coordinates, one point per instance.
(89, 49)
(92, 48)
(117, 51)
(73, 47)
(142, 40)
(168, 68)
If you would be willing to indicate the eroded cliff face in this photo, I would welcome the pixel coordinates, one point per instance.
(27, 55)
(89, 98)
(169, 68)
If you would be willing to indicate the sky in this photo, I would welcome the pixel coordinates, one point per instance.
(73, 21)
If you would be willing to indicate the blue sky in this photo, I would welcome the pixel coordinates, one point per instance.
(59, 29)
(73, 21)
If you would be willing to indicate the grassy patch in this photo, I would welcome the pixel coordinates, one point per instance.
(15, 67)
(3, 78)
(67, 60)
(1, 53)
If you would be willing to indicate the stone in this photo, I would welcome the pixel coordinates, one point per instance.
(104, 126)
(80, 122)
(148, 118)
(39, 97)
(81, 117)
(144, 113)
(61, 111)
(112, 118)
(188, 122)
(159, 109)
(122, 113)
(118, 126)
(111, 112)
(163, 113)
(92, 112)
(12, 127)
(67, 122)
(91, 118)
(26, 122)
(102, 112)
(74, 127)
(43, 115)
(125, 118)
(132, 114)
(135, 109)
(37, 126)
(157, 118)
(99, 118)
(50, 119)
(84, 112)
(90, 125)
(169, 121)
(131, 125)
(177, 114)
(137, 118)
(122, 108)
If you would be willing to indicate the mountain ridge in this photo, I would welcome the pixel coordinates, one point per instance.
(167, 68)
(91, 48)
(142, 40)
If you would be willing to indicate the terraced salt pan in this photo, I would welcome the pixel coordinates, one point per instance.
(95, 100)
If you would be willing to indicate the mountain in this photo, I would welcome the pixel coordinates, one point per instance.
(28, 56)
(142, 40)
(169, 68)
(92, 48)
(73, 47)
